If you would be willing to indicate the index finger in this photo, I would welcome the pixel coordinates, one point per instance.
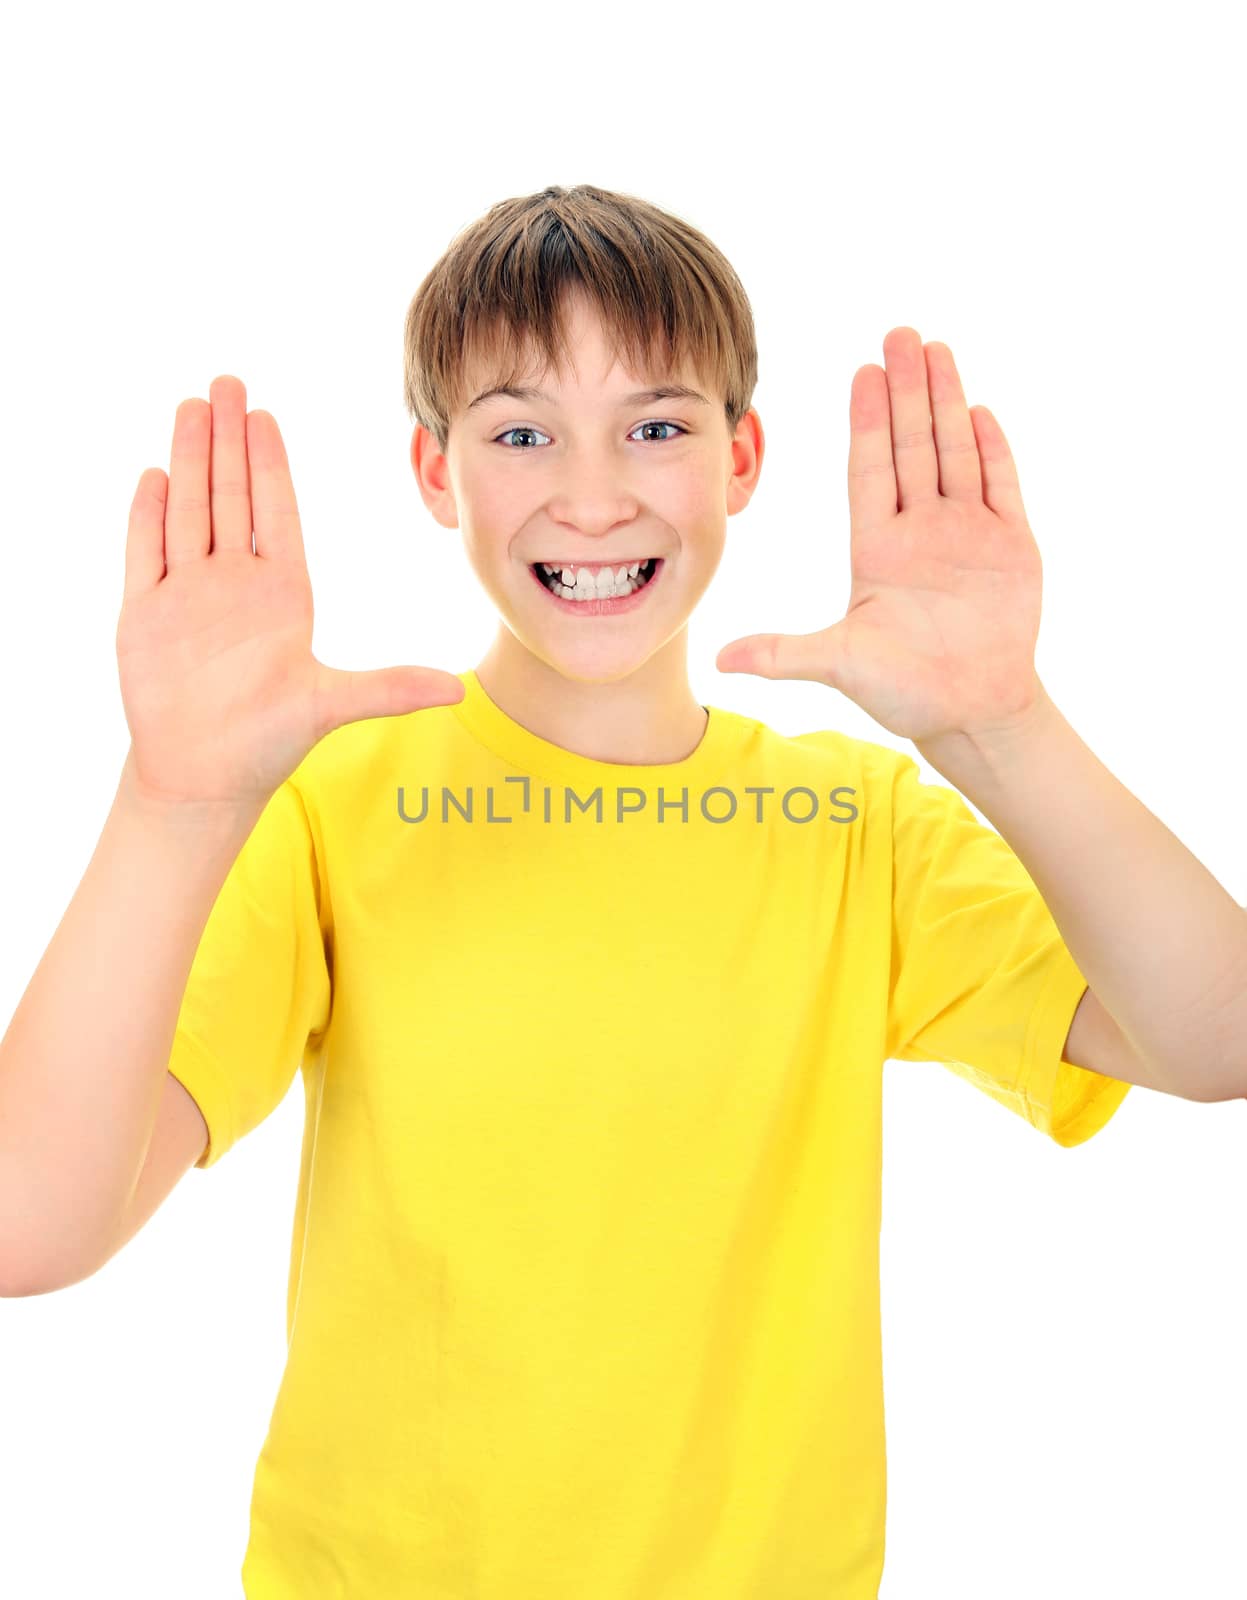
(274, 511)
(872, 473)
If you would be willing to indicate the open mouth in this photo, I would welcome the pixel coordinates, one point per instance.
(584, 589)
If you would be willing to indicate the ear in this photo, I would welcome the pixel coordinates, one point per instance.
(748, 446)
(432, 472)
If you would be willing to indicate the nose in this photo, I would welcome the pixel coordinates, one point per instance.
(591, 498)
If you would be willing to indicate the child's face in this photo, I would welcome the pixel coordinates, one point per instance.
(587, 477)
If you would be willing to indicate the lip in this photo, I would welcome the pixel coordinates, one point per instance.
(603, 608)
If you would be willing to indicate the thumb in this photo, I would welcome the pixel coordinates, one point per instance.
(814, 656)
(344, 696)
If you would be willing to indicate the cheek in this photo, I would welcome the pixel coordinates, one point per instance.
(687, 495)
(697, 509)
(489, 519)
(497, 504)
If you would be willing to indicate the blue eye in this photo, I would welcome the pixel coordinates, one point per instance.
(522, 429)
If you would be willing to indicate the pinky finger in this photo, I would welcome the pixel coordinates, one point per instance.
(145, 537)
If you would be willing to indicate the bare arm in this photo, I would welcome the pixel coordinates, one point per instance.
(83, 1061)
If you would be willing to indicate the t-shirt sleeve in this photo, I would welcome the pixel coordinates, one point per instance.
(258, 996)
(982, 980)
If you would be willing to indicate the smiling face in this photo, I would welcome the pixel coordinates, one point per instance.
(593, 471)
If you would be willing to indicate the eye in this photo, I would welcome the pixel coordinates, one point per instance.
(674, 425)
(639, 426)
(502, 436)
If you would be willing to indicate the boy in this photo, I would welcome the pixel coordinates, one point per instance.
(591, 985)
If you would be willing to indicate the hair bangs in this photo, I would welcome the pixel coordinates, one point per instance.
(493, 312)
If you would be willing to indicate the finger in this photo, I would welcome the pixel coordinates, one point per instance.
(274, 513)
(188, 530)
(913, 443)
(229, 486)
(961, 477)
(344, 696)
(145, 535)
(872, 475)
(812, 656)
(1001, 489)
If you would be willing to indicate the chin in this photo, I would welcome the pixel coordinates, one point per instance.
(595, 661)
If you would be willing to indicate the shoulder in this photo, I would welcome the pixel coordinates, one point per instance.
(830, 753)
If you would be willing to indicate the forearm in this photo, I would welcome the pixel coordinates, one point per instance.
(82, 1062)
(1161, 943)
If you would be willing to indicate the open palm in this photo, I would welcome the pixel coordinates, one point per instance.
(221, 691)
(943, 615)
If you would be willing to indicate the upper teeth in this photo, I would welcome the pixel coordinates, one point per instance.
(591, 577)
(596, 580)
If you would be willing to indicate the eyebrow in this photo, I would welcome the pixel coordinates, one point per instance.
(668, 391)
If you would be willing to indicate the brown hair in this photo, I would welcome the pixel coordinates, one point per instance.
(666, 296)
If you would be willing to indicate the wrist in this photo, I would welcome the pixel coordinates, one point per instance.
(227, 821)
(987, 756)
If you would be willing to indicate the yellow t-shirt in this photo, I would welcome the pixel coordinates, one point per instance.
(584, 1288)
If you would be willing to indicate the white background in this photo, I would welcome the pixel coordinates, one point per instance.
(195, 190)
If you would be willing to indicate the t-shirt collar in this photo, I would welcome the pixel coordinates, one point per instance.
(520, 747)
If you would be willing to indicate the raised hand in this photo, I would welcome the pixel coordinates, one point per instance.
(222, 694)
(943, 616)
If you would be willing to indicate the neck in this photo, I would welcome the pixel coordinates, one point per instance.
(649, 717)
